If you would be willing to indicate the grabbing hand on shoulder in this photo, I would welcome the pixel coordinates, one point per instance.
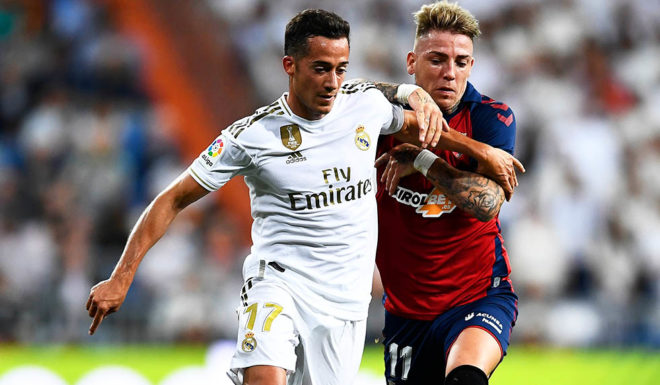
(429, 117)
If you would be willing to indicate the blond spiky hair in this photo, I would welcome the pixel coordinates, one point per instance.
(445, 16)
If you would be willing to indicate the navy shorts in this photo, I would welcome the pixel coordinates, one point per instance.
(416, 351)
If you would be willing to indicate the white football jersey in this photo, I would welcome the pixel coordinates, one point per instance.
(312, 190)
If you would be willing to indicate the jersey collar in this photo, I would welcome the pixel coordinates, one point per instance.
(471, 94)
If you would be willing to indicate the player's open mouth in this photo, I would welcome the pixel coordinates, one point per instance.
(327, 97)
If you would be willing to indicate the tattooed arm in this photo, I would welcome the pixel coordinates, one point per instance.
(471, 192)
(388, 89)
(476, 194)
(425, 124)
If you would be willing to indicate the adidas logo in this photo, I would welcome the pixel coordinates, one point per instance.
(295, 157)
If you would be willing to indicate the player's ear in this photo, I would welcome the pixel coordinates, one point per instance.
(410, 62)
(289, 65)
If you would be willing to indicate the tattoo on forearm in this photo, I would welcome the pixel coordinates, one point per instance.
(471, 192)
(388, 89)
(425, 98)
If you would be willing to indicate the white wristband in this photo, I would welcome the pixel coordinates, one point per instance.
(424, 160)
(403, 91)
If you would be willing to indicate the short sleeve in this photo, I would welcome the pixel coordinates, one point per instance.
(219, 162)
(396, 123)
(495, 124)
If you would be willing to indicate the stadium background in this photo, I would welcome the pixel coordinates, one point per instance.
(103, 102)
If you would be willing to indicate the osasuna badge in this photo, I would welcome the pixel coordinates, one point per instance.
(291, 137)
(362, 139)
(249, 343)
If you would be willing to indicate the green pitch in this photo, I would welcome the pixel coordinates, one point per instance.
(543, 366)
(523, 365)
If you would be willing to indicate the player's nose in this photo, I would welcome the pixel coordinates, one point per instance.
(449, 71)
(331, 81)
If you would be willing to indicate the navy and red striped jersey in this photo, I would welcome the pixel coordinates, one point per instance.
(433, 256)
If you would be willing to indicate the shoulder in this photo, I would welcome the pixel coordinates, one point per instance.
(487, 110)
(490, 108)
(363, 92)
(255, 124)
(490, 114)
(354, 86)
(493, 121)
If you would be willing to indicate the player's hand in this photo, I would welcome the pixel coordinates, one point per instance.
(399, 163)
(501, 167)
(429, 117)
(105, 298)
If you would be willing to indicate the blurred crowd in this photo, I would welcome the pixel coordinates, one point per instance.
(84, 148)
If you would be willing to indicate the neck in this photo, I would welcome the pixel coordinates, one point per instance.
(451, 109)
(300, 109)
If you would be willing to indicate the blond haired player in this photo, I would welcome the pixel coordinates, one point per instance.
(450, 305)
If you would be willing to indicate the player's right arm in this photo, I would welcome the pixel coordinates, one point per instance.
(493, 162)
(107, 296)
(478, 195)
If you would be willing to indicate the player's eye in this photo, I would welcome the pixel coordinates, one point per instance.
(341, 70)
(461, 64)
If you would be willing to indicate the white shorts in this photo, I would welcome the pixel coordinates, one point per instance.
(276, 328)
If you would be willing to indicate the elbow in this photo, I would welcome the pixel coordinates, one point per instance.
(487, 212)
(169, 202)
(485, 216)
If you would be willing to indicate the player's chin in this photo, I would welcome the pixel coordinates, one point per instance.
(324, 107)
(445, 102)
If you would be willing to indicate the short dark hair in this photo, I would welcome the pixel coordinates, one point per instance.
(310, 23)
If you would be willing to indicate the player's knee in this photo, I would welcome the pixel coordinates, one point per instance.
(466, 375)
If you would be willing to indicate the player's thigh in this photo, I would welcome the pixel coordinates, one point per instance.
(264, 375)
(413, 354)
(476, 347)
(481, 332)
(333, 351)
(267, 331)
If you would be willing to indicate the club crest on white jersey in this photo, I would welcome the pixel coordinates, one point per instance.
(362, 139)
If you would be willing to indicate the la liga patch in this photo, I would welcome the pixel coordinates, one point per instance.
(215, 148)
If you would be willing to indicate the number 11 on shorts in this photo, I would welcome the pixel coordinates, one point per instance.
(252, 309)
(405, 355)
